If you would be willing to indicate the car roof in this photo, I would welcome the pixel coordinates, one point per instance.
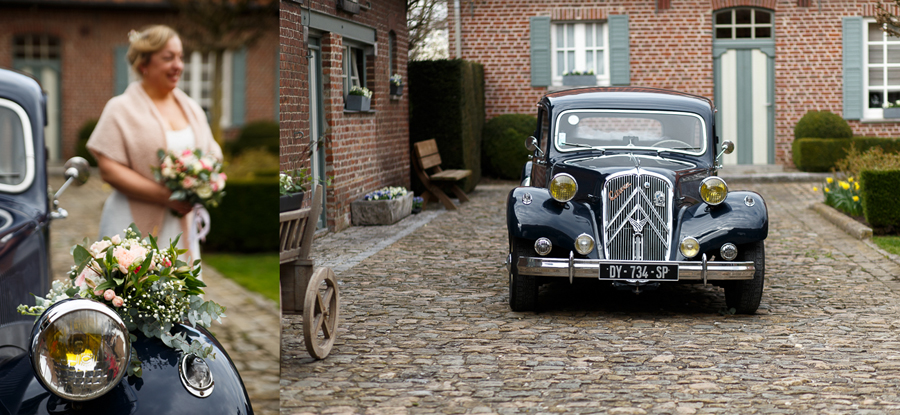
(627, 98)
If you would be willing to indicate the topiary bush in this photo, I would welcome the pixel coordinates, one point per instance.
(879, 198)
(503, 149)
(84, 133)
(263, 134)
(818, 154)
(822, 124)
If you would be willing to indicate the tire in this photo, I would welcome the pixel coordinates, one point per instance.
(523, 289)
(745, 296)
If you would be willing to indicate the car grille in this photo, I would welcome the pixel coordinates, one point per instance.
(637, 221)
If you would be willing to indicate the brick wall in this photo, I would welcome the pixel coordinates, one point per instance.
(363, 151)
(88, 39)
(672, 49)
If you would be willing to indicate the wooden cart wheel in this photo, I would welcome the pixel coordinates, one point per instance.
(320, 313)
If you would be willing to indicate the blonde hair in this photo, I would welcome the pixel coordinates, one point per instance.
(145, 43)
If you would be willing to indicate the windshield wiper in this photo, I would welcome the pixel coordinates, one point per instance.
(583, 146)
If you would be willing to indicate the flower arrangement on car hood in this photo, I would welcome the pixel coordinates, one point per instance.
(191, 176)
(148, 287)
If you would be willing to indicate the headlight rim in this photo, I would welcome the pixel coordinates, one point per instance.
(705, 183)
(682, 249)
(61, 309)
(593, 243)
(554, 180)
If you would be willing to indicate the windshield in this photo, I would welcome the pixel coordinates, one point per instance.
(577, 130)
(16, 151)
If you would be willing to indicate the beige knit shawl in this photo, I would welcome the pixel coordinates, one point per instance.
(131, 130)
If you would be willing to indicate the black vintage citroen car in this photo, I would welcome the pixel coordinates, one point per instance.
(72, 359)
(623, 187)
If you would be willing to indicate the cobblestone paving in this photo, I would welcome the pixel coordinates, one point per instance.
(249, 333)
(425, 328)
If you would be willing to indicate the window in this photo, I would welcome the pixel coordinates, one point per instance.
(38, 47)
(197, 81)
(354, 68)
(881, 73)
(579, 47)
(392, 52)
(743, 24)
(16, 148)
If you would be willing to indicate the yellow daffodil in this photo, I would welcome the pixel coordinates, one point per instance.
(850, 180)
(856, 198)
(856, 186)
(829, 180)
(844, 185)
(815, 189)
(827, 190)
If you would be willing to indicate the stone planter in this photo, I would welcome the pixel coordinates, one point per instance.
(357, 103)
(579, 80)
(396, 90)
(380, 212)
(893, 112)
(290, 202)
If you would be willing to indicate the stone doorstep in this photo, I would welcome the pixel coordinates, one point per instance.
(846, 223)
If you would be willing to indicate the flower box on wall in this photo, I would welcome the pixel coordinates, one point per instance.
(579, 80)
(290, 202)
(396, 90)
(893, 112)
(380, 212)
(357, 103)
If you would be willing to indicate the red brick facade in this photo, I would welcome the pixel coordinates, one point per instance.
(672, 48)
(364, 151)
(88, 37)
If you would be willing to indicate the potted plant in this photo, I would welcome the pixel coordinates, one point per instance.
(292, 188)
(578, 78)
(381, 207)
(891, 109)
(396, 85)
(417, 204)
(358, 99)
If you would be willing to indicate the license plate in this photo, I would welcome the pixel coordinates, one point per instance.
(642, 271)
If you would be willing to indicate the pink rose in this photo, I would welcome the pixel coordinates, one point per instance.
(118, 301)
(98, 249)
(80, 281)
(186, 153)
(127, 257)
(188, 182)
(108, 295)
(98, 292)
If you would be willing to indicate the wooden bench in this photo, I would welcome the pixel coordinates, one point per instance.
(428, 169)
(304, 290)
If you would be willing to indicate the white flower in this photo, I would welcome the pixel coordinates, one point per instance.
(204, 191)
(116, 239)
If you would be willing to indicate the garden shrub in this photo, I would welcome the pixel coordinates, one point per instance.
(822, 124)
(247, 219)
(503, 149)
(873, 158)
(84, 133)
(264, 134)
(818, 154)
(879, 198)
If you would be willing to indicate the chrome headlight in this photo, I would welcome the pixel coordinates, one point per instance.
(713, 190)
(584, 244)
(542, 246)
(728, 251)
(690, 247)
(563, 187)
(80, 349)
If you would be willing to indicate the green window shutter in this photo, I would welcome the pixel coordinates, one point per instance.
(853, 67)
(122, 68)
(619, 51)
(540, 51)
(238, 87)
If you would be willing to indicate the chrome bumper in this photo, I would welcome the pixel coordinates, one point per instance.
(700, 271)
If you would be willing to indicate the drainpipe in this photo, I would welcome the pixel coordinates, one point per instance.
(456, 27)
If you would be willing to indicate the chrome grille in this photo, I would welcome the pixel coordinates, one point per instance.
(635, 227)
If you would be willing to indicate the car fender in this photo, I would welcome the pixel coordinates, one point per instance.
(158, 391)
(731, 221)
(543, 216)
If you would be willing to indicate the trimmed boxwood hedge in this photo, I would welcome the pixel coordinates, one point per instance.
(879, 197)
(503, 149)
(822, 124)
(247, 220)
(821, 154)
(263, 134)
(446, 103)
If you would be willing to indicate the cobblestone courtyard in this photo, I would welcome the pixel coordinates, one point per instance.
(425, 328)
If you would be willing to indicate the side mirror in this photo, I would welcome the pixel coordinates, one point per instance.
(727, 147)
(78, 169)
(531, 143)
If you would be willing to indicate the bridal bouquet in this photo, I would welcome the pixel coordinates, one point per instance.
(191, 176)
(147, 286)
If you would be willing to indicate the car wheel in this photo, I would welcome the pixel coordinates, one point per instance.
(744, 296)
(523, 289)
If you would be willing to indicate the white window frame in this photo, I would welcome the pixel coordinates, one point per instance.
(753, 25)
(29, 149)
(876, 113)
(350, 75)
(580, 48)
(192, 82)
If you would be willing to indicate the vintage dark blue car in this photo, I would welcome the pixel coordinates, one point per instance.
(623, 187)
(72, 360)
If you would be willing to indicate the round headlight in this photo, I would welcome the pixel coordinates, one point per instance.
(690, 247)
(563, 187)
(728, 251)
(542, 246)
(80, 349)
(584, 244)
(713, 190)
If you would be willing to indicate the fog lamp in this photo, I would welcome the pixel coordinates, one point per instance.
(563, 187)
(584, 244)
(713, 190)
(728, 251)
(80, 349)
(690, 247)
(542, 246)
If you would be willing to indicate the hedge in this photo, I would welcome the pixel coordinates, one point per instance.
(822, 124)
(821, 154)
(263, 134)
(503, 149)
(247, 219)
(446, 103)
(879, 197)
